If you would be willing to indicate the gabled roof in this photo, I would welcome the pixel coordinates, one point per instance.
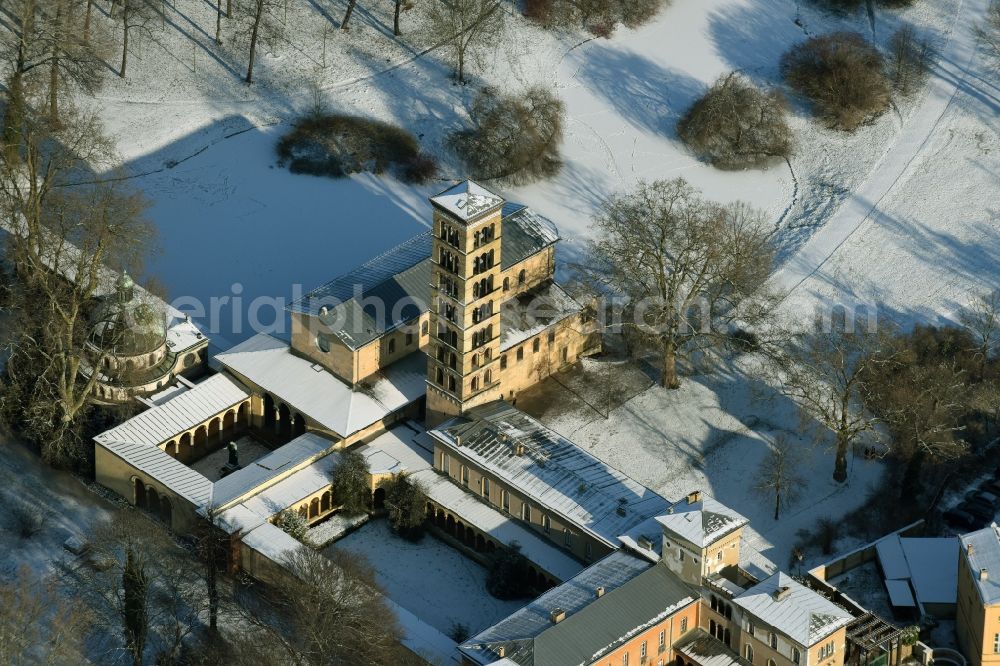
(185, 411)
(985, 545)
(467, 200)
(400, 280)
(552, 471)
(801, 614)
(313, 391)
(531, 312)
(701, 522)
(158, 464)
(637, 594)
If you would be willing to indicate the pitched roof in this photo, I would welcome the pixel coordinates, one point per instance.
(707, 650)
(154, 461)
(801, 614)
(637, 594)
(985, 544)
(531, 312)
(467, 200)
(400, 278)
(701, 522)
(183, 412)
(552, 471)
(313, 391)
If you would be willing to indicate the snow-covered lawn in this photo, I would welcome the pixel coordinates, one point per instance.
(430, 579)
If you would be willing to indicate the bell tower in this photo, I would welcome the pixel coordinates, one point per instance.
(463, 357)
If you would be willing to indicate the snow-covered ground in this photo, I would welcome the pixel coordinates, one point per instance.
(430, 579)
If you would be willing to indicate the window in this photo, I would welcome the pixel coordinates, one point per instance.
(520, 353)
(526, 512)
(465, 475)
(625, 659)
(684, 626)
(748, 653)
(770, 662)
(796, 655)
(451, 383)
(772, 639)
(423, 328)
(506, 284)
(440, 377)
(662, 643)
(445, 464)
(642, 650)
(503, 362)
(322, 342)
(536, 345)
(409, 339)
(750, 628)
(552, 337)
(486, 487)
(827, 650)
(588, 550)
(546, 524)
(505, 501)
(475, 383)
(567, 537)
(996, 643)
(488, 377)
(392, 346)
(565, 354)
(680, 555)
(718, 556)
(521, 276)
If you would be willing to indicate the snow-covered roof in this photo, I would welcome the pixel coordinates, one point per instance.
(404, 444)
(707, 650)
(295, 487)
(799, 613)
(400, 278)
(700, 519)
(550, 470)
(184, 411)
(170, 472)
(981, 550)
(467, 200)
(470, 509)
(313, 391)
(273, 542)
(929, 564)
(301, 450)
(531, 312)
(636, 595)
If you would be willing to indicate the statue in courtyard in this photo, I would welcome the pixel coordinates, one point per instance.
(234, 455)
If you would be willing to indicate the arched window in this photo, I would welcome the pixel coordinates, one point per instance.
(451, 383)
(796, 655)
(487, 353)
(452, 361)
(440, 377)
(488, 376)
(475, 383)
(536, 345)
(475, 360)
(521, 276)
(475, 266)
(748, 653)
(489, 284)
(489, 259)
(475, 290)
(503, 362)
(546, 524)
(423, 328)
(392, 346)
(506, 284)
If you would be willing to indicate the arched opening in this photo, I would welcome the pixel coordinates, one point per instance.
(139, 493)
(190, 360)
(304, 511)
(326, 502)
(153, 500)
(184, 452)
(229, 421)
(379, 499)
(166, 511)
(215, 428)
(171, 448)
(440, 519)
(450, 525)
(470, 537)
(284, 420)
(299, 427)
(268, 411)
(314, 507)
(480, 543)
(200, 434)
(490, 546)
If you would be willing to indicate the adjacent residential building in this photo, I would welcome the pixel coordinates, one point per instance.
(978, 611)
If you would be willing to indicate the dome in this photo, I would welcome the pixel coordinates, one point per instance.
(125, 325)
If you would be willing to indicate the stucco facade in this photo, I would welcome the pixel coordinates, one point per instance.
(977, 622)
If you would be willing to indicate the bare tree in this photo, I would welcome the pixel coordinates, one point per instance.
(778, 476)
(910, 58)
(515, 138)
(822, 371)
(989, 32)
(348, 14)
(690, 269)
(135, 16)
(735, 125)
(982, 319)
(599, 17)
(398, 5)
(466, 28)
(39, 626)
(258, 23)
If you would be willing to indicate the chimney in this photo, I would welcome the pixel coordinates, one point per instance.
(323, 310)
(984, 574)
(458, 440)
(519, 449)
(557, 615)
(599, 592)
(694, 497)
(969, 549)
(501, 651)
(782, 592)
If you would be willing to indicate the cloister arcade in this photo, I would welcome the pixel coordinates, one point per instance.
(210, 435)
(155, 502)
(478, 542)
(280, 420)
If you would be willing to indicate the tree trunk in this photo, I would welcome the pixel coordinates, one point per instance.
(54, 66)
(461, 66)
(253, 39)
(395, 18)
(840, 466)
(125, 18)
(347, 15)
(13, 114)
(777, 505)
(134, 610)
(86, 22)
(669, 379)
(218, 22)
(229, 8)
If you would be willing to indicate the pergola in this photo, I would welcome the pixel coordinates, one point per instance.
(870, 638)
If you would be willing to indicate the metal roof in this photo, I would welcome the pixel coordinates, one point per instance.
(394, 287)
(531, 312)
(985, 554)
(313, 391)
(552, 471)
(801, 614)
(707, 650)
(467, 200)
(701, 522)
(175, 475)
(181, 413)
(637, 594)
